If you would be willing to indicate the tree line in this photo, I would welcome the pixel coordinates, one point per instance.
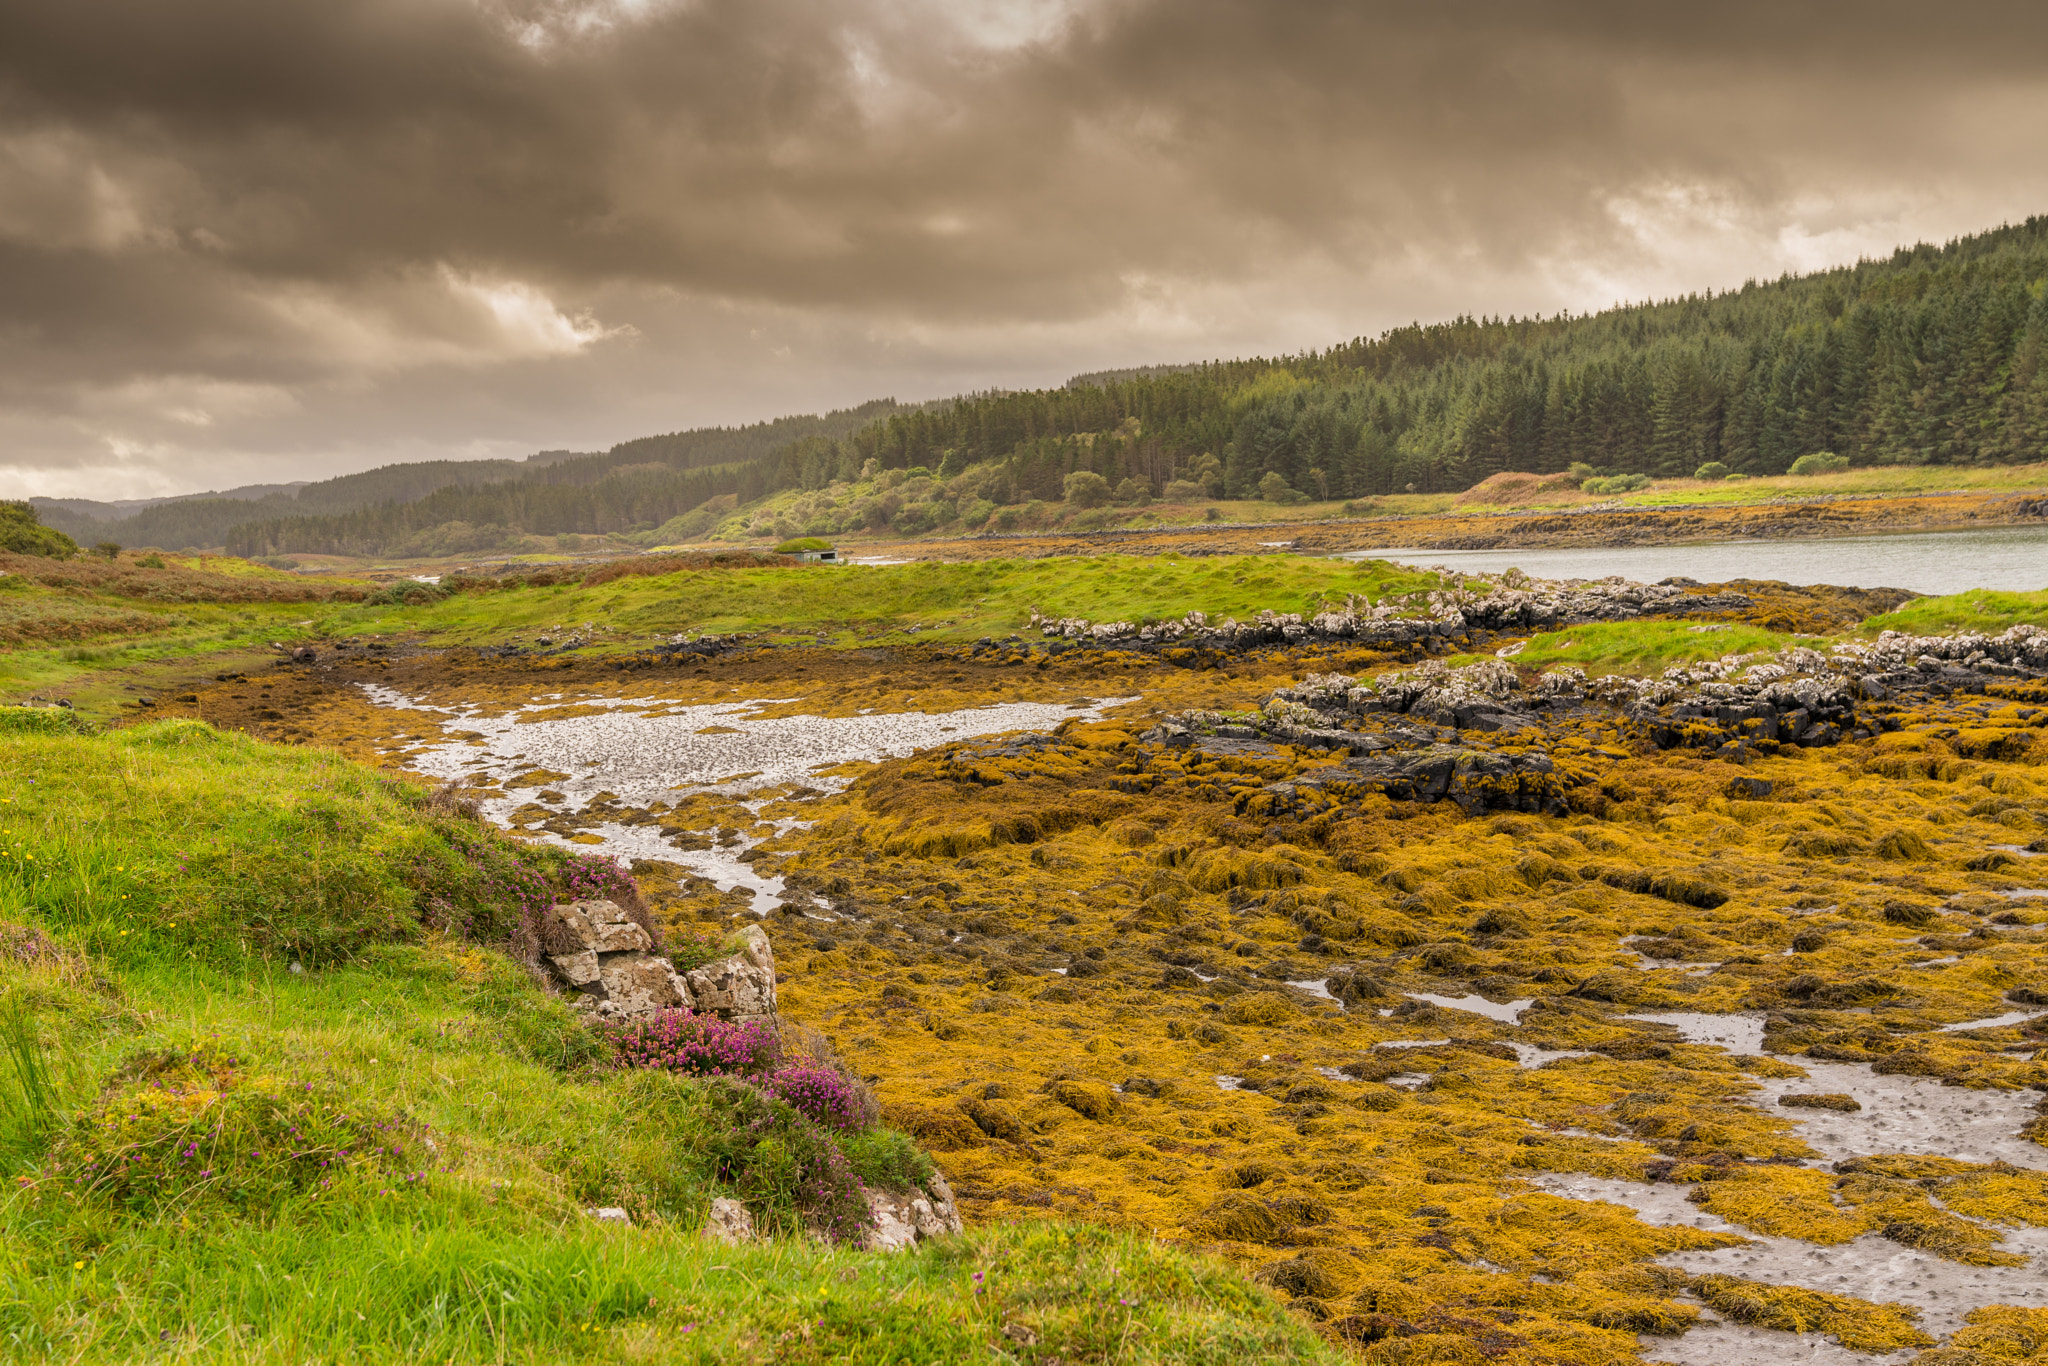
(1934, 355)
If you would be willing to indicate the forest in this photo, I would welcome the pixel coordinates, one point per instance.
(1933, 355)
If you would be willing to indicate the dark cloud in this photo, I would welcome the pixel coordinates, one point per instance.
(336, 211)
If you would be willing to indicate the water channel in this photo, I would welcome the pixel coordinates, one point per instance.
(2008, 559)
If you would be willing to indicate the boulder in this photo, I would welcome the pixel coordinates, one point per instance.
(741, 987)
(729, 1221)
(640, 984)
(598, 952)
(906, 1219)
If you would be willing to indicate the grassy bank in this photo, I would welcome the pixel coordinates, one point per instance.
(270, 1094)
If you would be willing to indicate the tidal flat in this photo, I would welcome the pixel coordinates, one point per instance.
(1485, 1010)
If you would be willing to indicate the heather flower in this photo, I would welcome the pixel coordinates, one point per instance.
(681, 1041)
(826, 1095)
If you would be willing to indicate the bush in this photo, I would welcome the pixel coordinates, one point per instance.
(802, 543)
(42, 721)
(1086, 489)
(1820, 462)
(1616, 483)
(915, 518)
(790, 1172)
(1579, 472)
(1184, 491)
(701, 1045)
(1275, 489)
(1713, 469)
(825, 1095)
(196, 1126)
(408, 593)
(22, 533)
(888, 1160)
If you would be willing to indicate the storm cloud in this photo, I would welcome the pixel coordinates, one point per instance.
(265, 239)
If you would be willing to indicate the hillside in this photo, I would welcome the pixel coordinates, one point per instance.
(1933, 356)
(277, 1088)
(203, 520)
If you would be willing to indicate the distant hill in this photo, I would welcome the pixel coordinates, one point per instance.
(127, 507)
(1933, 355)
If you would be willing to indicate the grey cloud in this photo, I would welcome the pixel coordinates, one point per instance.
(320, 196)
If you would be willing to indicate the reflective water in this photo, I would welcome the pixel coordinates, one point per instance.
(2005, 558)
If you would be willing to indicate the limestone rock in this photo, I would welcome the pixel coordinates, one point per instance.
(603, 955)
(622, 936)
(639, 984)
(610, 1214)
(729, 1221)
(905, 1220)
(741, 987)
(577, 969)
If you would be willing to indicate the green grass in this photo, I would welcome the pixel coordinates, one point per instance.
(1895, 480)
(170, 1088)
(1979, 610)
(846, 604)
(1644, 647)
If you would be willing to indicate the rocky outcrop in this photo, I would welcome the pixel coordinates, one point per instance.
(598, 953)
(1509, 603)
(905, 1219)
(1738, 702)
(741, 987)
(609, 962)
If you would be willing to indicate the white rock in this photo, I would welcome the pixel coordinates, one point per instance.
(729, 1221)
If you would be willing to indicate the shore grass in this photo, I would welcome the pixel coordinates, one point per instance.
(855, 603)
(1902, 481)
(1644, 647)
(1977, 610)
(192, 922)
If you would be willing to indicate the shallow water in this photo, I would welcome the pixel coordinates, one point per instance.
(1742, 1035)
(1869, 1267)
(1899, 1115)
(648, 760)
(1507, 1013)
(1907, 1115)
(2006, 558)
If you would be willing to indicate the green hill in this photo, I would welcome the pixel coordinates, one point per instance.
(1933, 356)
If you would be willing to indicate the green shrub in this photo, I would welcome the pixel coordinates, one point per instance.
(199, 1127)
(802, 543)
(1820, 462)
(1086, 489)
(888, 1160)
(1713, 469)
(1274, 488)
(408, 593)
(1616, 483)
(787, 1170)
(22, 533)
(42, 721)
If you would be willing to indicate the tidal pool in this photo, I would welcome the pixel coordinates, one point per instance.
(648, 752)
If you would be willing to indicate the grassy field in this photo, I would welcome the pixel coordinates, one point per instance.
(1980, 610)
(212, 955)
(1887, 480)
(1644, 647)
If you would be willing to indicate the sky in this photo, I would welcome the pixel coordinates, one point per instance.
(264, 240)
